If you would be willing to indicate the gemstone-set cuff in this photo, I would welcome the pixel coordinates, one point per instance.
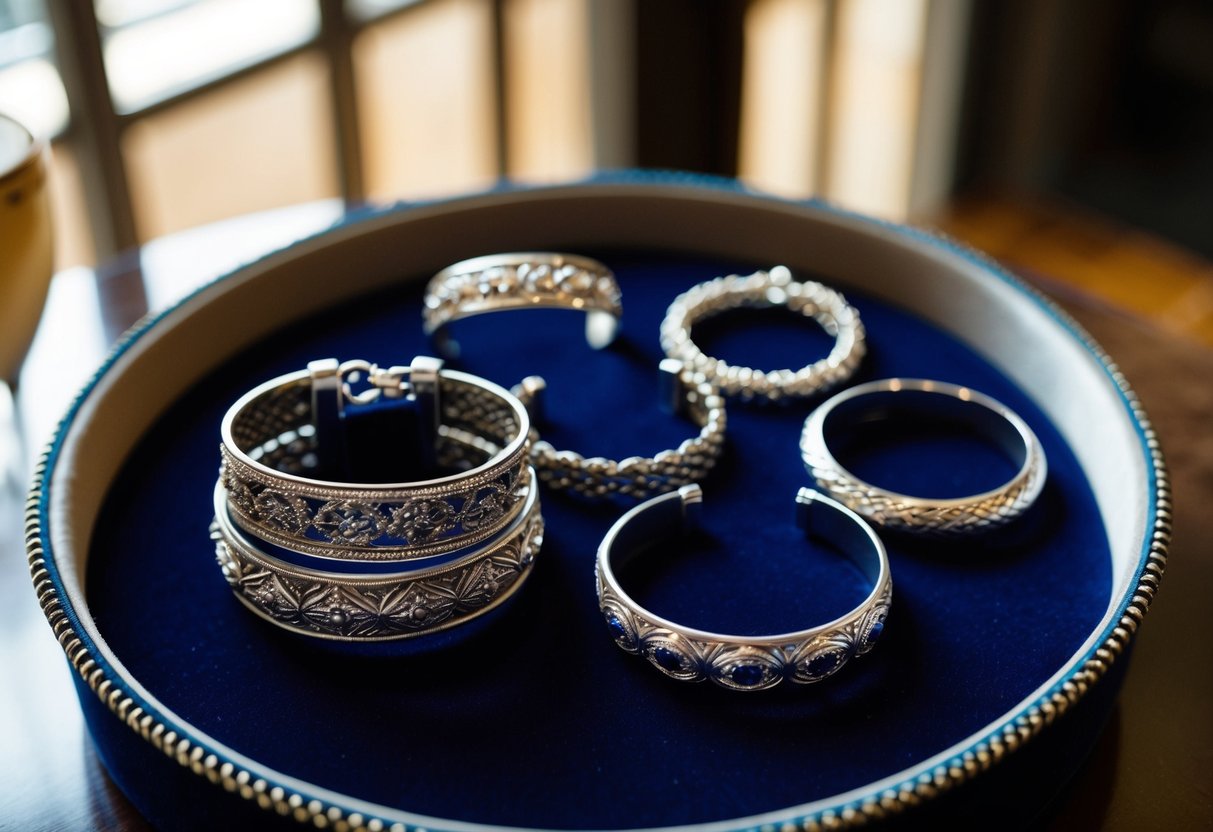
(743, 662)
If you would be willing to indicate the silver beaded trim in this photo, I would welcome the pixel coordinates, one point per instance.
(761, 289)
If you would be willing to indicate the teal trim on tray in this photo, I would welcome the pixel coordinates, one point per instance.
(360, 215)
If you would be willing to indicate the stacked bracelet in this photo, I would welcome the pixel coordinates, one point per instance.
(374, 606)
(276, 523)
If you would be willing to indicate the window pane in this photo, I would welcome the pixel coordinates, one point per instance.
(260, 142)
(30, 89)
(548, 89)
(425, 93)
(370, 9)
(783, 85)
(113, 14)
(73, 235)
(160, 48)
(874, 117)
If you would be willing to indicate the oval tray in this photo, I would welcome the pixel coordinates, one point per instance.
(952, 312)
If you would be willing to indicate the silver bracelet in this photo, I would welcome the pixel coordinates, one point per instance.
(766, 288)
(935, 400)
(743, 662)
(273, 434)
(377, 607)
(522, 280)
(636, 477)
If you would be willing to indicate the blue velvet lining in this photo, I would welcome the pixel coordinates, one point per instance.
(533, 717)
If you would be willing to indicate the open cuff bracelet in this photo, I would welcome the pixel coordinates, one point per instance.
(743, 662)
(274, 433)
(522, 280)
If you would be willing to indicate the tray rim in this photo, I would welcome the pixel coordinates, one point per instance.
(305, 802)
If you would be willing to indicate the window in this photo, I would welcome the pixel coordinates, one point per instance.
(171, 113)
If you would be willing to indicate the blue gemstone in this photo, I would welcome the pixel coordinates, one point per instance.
(874, 631)
(618, 631)
(667, 659)
(747, 675)
(823, 664)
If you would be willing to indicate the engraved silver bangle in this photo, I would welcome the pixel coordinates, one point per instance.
(743, 662)
(637, 477)
(522, 280)
(377, 607)
(762, 289)
(936, 401)
(273, 434)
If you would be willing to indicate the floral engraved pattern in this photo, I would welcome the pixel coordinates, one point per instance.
(481, 512)
(420, 521)
(349, 523)
(378, 526)
(404, 608)
(481, 584)
(352, 609)
(284, 512)
(239, 492)
(302, 603)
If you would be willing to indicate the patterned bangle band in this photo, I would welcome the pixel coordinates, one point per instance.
(937, 403)
(523, 280)
(377, 607)
(273, 435)
(743, 662)
(761, 289)
(636, 477)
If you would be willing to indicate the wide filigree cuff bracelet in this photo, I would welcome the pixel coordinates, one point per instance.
(273, 436)
(742, 662)
(933, 403)
(378, 606)
(522, 280)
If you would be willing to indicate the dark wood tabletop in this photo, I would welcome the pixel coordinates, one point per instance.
(1149, 770)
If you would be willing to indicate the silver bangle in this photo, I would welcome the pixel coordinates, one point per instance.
(636, 477)
(272, 435)
(931, 399)
(522, 280)
(766, 288)
(377, 607)
(743, 662)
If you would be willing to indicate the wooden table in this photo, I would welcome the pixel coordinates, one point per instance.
(1149, 770)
